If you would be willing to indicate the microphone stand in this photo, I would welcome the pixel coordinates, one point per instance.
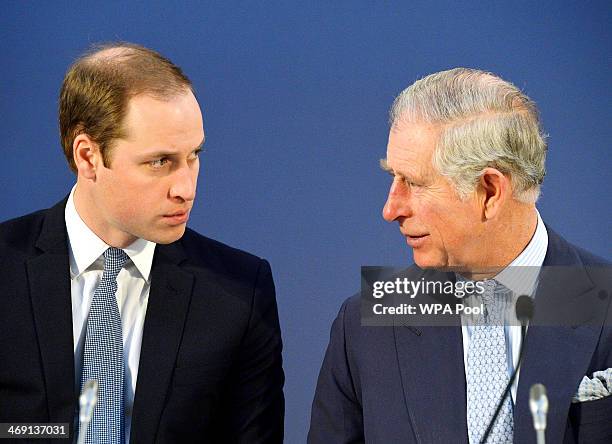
(87, 403)
(538, 404)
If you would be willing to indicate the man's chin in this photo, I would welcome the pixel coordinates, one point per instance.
(168, 236)
(425, 261)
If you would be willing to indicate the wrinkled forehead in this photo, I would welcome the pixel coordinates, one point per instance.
(410, 148)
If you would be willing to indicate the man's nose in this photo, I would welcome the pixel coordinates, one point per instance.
(184, 183)
(397, 204)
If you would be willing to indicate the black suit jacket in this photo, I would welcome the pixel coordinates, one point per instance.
(210, 364)
(406, 384)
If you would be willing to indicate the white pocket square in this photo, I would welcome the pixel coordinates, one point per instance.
(597, 387)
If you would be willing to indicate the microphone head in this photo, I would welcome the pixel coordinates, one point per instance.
(88, 400)
(524, 308)
(538, 404)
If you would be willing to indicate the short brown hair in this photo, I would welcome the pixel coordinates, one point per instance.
(97, 88)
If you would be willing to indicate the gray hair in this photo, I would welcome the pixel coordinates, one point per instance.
(485, 122)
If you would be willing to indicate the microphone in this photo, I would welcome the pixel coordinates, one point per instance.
(87, 403)
(524, 313)
(538, 404)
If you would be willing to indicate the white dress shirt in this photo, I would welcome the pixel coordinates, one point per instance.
(133, 284)
(521, 276)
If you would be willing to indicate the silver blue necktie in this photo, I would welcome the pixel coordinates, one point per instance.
(103, 354)
(487, 371)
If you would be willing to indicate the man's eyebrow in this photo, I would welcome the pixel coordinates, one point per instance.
(385, 166)
(168, 152)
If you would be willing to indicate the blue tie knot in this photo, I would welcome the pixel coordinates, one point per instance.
(114, 260)
(488, 296)
(493, 299)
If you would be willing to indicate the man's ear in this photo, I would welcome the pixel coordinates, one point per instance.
(494, 189)
(87, 156)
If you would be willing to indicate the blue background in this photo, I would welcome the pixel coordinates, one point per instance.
(295, 100)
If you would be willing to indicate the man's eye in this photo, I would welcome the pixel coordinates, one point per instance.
(158, 163)
(410, 183)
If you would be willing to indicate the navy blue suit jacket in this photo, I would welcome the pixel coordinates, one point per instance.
(402, 384)
(210, 364)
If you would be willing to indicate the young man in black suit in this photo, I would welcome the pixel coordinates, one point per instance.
(181, 332)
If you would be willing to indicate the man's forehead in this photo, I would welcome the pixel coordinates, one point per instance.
(148, 110)
(157, 127)
(401, 153)
(410, 149)
(414, 135)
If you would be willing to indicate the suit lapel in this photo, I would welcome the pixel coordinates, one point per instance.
(169, 298)
(558, 356)
(49, 285)
(432, 376)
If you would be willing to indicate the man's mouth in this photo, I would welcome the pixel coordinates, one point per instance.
(177, 217)
(176, 213)
(416, 240)
(413, 234)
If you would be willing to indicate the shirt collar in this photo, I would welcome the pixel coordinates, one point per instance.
(85, 247)
(521, 275)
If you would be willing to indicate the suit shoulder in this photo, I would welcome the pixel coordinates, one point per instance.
(598, 268)
(589, 258)
(204, 251)
(351, 307)
(19, 234)
(566, 254)
(562, 252)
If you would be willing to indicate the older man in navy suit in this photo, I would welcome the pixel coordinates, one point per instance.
(466, 155)
(179, 331)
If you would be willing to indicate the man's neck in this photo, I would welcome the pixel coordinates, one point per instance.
(506, 243)
(87, 211)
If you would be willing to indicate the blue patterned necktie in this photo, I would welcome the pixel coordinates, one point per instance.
(103, 354)
(487, 372)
